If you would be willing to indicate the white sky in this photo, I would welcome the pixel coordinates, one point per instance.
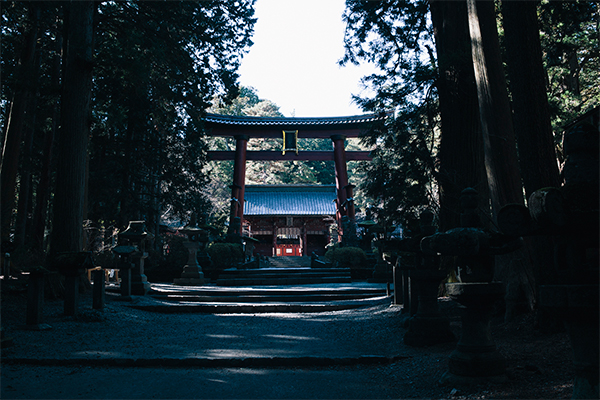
(293, 61)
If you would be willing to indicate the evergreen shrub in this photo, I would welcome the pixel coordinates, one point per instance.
(347, 257)
(225, 255)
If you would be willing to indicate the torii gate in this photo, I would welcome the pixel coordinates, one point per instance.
(242, 128)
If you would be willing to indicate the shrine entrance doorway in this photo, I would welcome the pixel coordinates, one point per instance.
(336, 129)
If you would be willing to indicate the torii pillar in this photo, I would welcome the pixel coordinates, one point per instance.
(341, 179)
(239, 176)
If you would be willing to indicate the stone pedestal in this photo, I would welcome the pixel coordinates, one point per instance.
(72, 265)
(125, 266)
(192, 272)
(125, 281)
(382, 272)
(139, 281)
(476, 357)
(428, 327)
(71, 294)
(35, 302)
(578, 307)
(98, 297)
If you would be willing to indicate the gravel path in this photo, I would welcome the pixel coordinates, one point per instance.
(367, 358)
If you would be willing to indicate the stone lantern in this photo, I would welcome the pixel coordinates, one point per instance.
(136, 235)
(426, 325)
(475, 357)
(192, 274)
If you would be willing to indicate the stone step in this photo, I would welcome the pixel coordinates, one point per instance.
(256, 308)
(278, 281)
(168, 289)
(283, 276)
(290, 270)
(263, 298)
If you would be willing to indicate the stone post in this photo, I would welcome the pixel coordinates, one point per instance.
(136, 235)
(124, 265)
(98, 295)
(72, 265)
(35, 301)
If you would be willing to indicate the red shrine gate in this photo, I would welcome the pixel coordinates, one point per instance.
(337, 129)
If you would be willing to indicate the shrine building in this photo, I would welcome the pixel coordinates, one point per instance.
(289, 220)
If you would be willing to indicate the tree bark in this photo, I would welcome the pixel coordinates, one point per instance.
(531, 117)
(461, 148)
(500, 150)
(531, 112)
(43, 188)
(24, 203)
(67, 226)
(16, 124)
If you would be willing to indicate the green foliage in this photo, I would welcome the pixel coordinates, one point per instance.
(569, 36)
(347, 257)
(225, 255)
(397, 37)
(158, 67)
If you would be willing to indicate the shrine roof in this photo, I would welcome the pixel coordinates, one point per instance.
(308, 127)
(289, 200)
(291, 121)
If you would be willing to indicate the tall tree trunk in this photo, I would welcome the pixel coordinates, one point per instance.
(67, 224)
(531, 117)
(24, 91)
(25, 181)
(43, 188)
(461, 148)
(501, 161)
(531, 112)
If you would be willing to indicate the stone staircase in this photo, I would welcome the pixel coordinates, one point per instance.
(288, 284)
(289, 262)
(283, 271)
(168, 298)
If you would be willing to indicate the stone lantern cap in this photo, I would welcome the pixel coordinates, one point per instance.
(135, 232)
(124, 250)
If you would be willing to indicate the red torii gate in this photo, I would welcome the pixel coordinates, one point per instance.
(242, 128)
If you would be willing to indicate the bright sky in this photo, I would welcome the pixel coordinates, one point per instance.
(293, 61)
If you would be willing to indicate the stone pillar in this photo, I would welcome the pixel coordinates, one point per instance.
(35, 301)
(71, 295)
(124, 265)
(239, 171)
(98, 297)
(139, 281)
(72, 265)
(475, 356)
